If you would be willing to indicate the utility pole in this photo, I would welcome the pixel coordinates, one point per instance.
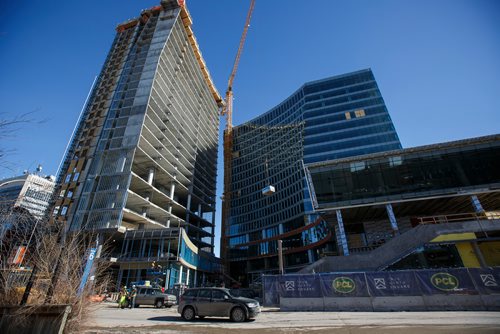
(280, 256)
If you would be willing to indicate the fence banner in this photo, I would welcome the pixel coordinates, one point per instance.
(487, 280)
(445, 281)
(387, 283)
(271, 295)
(344, 285)
(299, 286)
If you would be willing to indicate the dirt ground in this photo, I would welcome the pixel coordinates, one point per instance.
(107, 318)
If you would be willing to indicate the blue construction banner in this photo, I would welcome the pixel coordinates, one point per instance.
(392, 283)
(271, 295)
(344, 285)
(299, 286)
(86, 272)
(446, 281)
(487, 280)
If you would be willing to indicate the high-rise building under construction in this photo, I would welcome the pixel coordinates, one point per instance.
(141, 165)
(327, 119)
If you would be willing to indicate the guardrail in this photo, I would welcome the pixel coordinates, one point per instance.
(458, 217)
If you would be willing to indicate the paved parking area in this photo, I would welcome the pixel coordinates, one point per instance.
(107, 318)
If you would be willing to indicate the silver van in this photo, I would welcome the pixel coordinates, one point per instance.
(216, 302)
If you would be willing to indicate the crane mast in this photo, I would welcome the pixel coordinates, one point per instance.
(227, 110)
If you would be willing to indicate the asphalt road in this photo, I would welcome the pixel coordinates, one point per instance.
(107, 318)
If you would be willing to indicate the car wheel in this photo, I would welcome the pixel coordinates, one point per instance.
(188, 313)
(238, 314)
(159, 303)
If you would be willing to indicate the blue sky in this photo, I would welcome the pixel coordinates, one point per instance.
(437, 63)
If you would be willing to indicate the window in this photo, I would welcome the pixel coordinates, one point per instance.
(395, 161)
(347, 115)
(68, 178)
(205, 294)
(190, 293)
(360, 113)
(218, 295)
(64, 210)
(75, 177)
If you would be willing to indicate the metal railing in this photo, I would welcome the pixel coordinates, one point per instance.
(458, 217)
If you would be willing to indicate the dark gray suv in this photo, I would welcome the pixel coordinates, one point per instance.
(216, 302)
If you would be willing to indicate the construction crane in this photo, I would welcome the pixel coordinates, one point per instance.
(227, 110)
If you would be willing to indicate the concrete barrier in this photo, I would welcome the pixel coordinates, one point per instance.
(453, 303)
(40, 320)
(301, 304)
(348, 304)
(396, 303)
(491, 302)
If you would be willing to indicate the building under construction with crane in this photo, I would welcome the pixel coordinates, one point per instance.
(327, 119)
(140, 168)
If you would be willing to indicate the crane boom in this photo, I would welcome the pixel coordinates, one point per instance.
(227, 110)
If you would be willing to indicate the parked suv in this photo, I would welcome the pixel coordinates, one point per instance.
(216, 302)
(152, 296)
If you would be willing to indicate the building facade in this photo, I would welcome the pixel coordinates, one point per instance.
(327, 119)
(435, 206)
(144, 153)
(31, 192)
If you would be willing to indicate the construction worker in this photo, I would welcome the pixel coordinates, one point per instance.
(123, 298)
(133, 294)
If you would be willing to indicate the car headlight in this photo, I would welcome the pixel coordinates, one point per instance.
(252, 305)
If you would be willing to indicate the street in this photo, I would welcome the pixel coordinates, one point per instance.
(107, 318)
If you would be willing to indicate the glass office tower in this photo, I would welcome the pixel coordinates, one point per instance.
(327, 119)
(143, 158)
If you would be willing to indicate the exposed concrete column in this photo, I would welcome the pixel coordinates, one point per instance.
(172, 190)
(180, 274)
(137, 275)
(167, 278)
(479, 254)
(213, 230)
(342, 236)
(392, 218)
(477, 204)
(310, 256)
(187, 276)
(169, 209)
(151, 174)
(188, 205)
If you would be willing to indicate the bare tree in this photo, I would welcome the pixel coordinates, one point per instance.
(9, 126)
(44, 247)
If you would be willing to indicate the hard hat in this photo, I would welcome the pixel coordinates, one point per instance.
(133, 286)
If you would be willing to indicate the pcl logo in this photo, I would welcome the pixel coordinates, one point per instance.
(289, 285)
(444, 281)
(343, 285)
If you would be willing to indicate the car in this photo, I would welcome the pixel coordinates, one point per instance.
(147, 295)
(216, 302)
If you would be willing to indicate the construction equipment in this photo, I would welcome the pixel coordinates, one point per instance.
(268, 189)
(227, 110)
